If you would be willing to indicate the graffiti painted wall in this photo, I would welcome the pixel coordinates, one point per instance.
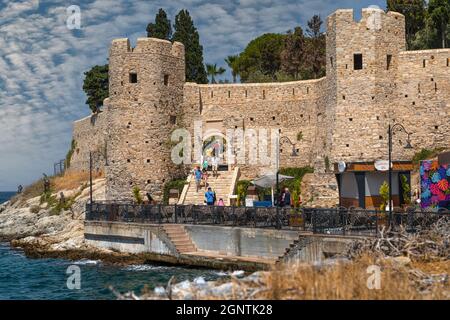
(435, 185)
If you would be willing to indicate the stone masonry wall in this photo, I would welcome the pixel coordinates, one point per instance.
(292, 107)
(89, 135)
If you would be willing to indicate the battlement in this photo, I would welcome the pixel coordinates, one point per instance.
(371, 17)
(147, 46)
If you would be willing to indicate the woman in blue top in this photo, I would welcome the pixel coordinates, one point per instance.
(209, 196)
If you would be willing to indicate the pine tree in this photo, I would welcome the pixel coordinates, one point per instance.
(162, 28)
(439, 15)
(96, 87)
(293, 52)
(414, 12)
(187, 34)
(315, 48)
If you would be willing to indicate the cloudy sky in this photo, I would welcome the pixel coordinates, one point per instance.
(42, 61)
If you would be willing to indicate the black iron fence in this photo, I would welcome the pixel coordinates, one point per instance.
(338, 221)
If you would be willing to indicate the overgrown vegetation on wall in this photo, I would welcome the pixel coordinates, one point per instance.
(425, 154)
(69, 155)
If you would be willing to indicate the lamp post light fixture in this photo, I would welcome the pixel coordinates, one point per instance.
(391, 131)
(293, 154)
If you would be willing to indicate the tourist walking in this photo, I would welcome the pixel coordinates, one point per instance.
(19, 189)
(209, 197)
(215, 165)
(205, 177)
(205, 165)
(197, 177)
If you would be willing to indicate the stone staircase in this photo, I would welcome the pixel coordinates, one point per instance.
(222, 185)
(180, 238)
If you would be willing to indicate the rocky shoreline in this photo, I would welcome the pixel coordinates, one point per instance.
(33, 226)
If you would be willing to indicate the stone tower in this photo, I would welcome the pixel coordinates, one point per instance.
(362, 62)
(145, 99)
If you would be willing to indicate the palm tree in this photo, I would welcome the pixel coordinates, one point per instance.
(211, 70)
(231, 61)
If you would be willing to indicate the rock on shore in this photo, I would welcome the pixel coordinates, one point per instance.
(30, 223)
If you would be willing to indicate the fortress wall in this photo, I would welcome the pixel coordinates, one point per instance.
(290, 107)
(422, 100)
(89, 135)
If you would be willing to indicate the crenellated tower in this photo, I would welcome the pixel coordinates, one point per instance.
(362, 62)
(146, 96)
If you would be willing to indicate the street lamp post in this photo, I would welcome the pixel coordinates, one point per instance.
(91, 153)
(391, 131)
(294, 154)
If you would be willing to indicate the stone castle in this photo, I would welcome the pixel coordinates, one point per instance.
(371, 81)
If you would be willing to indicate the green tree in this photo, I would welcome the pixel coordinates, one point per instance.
(162, 28)
(187, 34)
(213, 71)
(292, 55)
(232, 62)
(96, 87)
(414, 12)
(315, 47)
(261, 56)
(439, 15)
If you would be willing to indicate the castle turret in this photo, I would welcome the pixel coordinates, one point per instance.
(362, 59)
(146, 95)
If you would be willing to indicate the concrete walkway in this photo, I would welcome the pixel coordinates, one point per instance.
(217, 256)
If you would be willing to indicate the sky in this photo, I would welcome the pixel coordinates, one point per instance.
(42, 61)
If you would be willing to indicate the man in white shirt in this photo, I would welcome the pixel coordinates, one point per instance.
(215, 165)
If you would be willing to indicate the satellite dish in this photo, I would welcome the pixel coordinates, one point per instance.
(342, 166)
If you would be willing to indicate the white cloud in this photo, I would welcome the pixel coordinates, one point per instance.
(42, 62)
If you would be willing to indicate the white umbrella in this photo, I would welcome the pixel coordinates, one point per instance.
(269, 181)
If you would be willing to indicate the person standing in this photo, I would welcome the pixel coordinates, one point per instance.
(287, 198)
(221, 203)
(205, 165)
(19, 189)
(209, 197)
(215, 165)
(198, 177)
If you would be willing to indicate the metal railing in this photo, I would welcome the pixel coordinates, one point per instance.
(337, 221)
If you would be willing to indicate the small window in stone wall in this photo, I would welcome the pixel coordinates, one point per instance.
(173, 119)
(448, 62)
(148, 181)
(229, 94)
(331, 61)
(246, 93)
(166, 79)
(418, 87)
(128, 160)
(436, 127)
(358, 61)
(389, 59)
(424, 63)
(148, 160)
(435, 87)
(343, 97)
(307, 90)
(264, 94)
(133, 77)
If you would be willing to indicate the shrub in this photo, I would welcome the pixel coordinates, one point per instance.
(384, 193)
(425, 154)
(406, 189)
(69, 155)
(35, 209)
(241, 192)
(173, 184)
(137, 195)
